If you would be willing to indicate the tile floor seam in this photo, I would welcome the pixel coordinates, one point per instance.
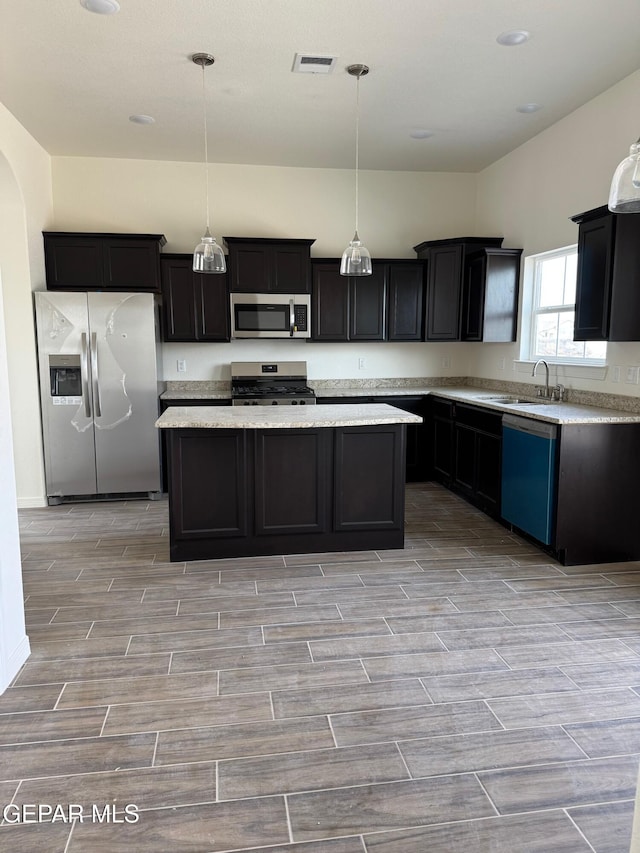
(584, 837)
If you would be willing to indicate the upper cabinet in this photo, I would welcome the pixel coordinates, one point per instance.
(195, 306)
(490, 296)
(261, 265)
(102, 261)
(467, 287)
(385, 306)
(608, 277)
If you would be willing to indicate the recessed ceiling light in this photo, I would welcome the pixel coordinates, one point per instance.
(528, 108)
(101, 7)
(511, 38)
(142, 119)
(420, 133)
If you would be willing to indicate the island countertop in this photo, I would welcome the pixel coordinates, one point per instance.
(283, 417)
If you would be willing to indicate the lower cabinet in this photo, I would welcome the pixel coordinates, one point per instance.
(235, 492)
(416, 467)
(466, 449)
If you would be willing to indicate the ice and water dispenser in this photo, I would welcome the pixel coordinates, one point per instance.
(65, 377)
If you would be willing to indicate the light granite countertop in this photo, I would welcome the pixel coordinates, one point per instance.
(287, 417)
(556, 413)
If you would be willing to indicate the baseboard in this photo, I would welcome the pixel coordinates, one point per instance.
(31, 503)
(9, 668)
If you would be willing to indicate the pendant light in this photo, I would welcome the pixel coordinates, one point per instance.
(208, 256)
(624, 196)
(356, 259)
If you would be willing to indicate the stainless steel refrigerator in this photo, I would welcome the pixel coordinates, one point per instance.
(99, 393)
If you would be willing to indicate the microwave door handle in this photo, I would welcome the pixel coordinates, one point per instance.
(95, 374)
(292, 317)
(84, 374)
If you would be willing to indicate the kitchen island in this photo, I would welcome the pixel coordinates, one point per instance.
(252, 481)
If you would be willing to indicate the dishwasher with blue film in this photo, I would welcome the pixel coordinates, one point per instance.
(529, 475)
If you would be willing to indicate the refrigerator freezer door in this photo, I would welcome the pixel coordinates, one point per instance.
(122, 347)
(67, 421)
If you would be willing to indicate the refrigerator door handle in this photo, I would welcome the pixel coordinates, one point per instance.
(95, 374)
(84, 373)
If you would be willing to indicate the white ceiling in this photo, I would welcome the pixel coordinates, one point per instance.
(72, 78)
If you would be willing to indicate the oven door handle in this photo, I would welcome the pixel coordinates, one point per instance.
(292, 317)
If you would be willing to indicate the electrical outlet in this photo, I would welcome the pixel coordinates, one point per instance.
(632, 375)
(445, 361)
(501, 363)
(181, 365)
(362, 363)
(615, 375)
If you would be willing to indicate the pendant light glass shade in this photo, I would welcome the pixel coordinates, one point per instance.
(624, 196)
(356, 259)
(208, 256)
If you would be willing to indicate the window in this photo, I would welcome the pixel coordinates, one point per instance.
(553, 311)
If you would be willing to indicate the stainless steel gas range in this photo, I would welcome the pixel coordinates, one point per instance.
(274, 383)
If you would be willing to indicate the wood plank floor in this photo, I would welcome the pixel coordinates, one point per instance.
(465, 693)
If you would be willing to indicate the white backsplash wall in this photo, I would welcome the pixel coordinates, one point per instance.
(324, 360)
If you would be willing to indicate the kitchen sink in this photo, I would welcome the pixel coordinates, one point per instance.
(511, 400)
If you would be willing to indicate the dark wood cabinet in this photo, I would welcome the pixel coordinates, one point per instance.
(76, 261)
(465, 282)
(405, 301)
(387, 305)
(264, 265)
(195, 306)
(235, 492)
(466, 450)
(490, 296)
(416, 462)
(367, 306)
(608, 276)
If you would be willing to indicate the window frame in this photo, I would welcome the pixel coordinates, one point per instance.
(534, 311)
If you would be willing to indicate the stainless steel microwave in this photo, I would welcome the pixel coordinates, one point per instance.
(270, 315)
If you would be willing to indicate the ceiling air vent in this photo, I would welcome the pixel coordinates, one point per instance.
(313, 63)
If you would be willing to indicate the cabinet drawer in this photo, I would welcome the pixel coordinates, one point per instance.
(479, 419)
(441, 409)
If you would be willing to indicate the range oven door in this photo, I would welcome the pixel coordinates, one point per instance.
(270, 315)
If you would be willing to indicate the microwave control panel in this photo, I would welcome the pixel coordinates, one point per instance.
(300, 317)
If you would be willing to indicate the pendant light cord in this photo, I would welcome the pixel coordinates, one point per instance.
(206, 148)
(357, 143)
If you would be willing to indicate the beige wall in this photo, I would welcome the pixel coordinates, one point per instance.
(23, 215)
(529, 195)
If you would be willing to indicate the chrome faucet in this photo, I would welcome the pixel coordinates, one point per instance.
(542, 392)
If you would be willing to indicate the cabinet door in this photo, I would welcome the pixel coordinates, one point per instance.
(443, 293)
(593, 290)
(73, 262)
(131, 264)
(369, 496)
(405, 289)
(368, 306)
(178, 304)
(442, 448)
(473, 299)
(212, 307)
(488, 471)
(415, 438)
(249, 267)
(208, 479)
(290, 270)
(330, 303)
(464, 473)
(291, 483)
(624, 323)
